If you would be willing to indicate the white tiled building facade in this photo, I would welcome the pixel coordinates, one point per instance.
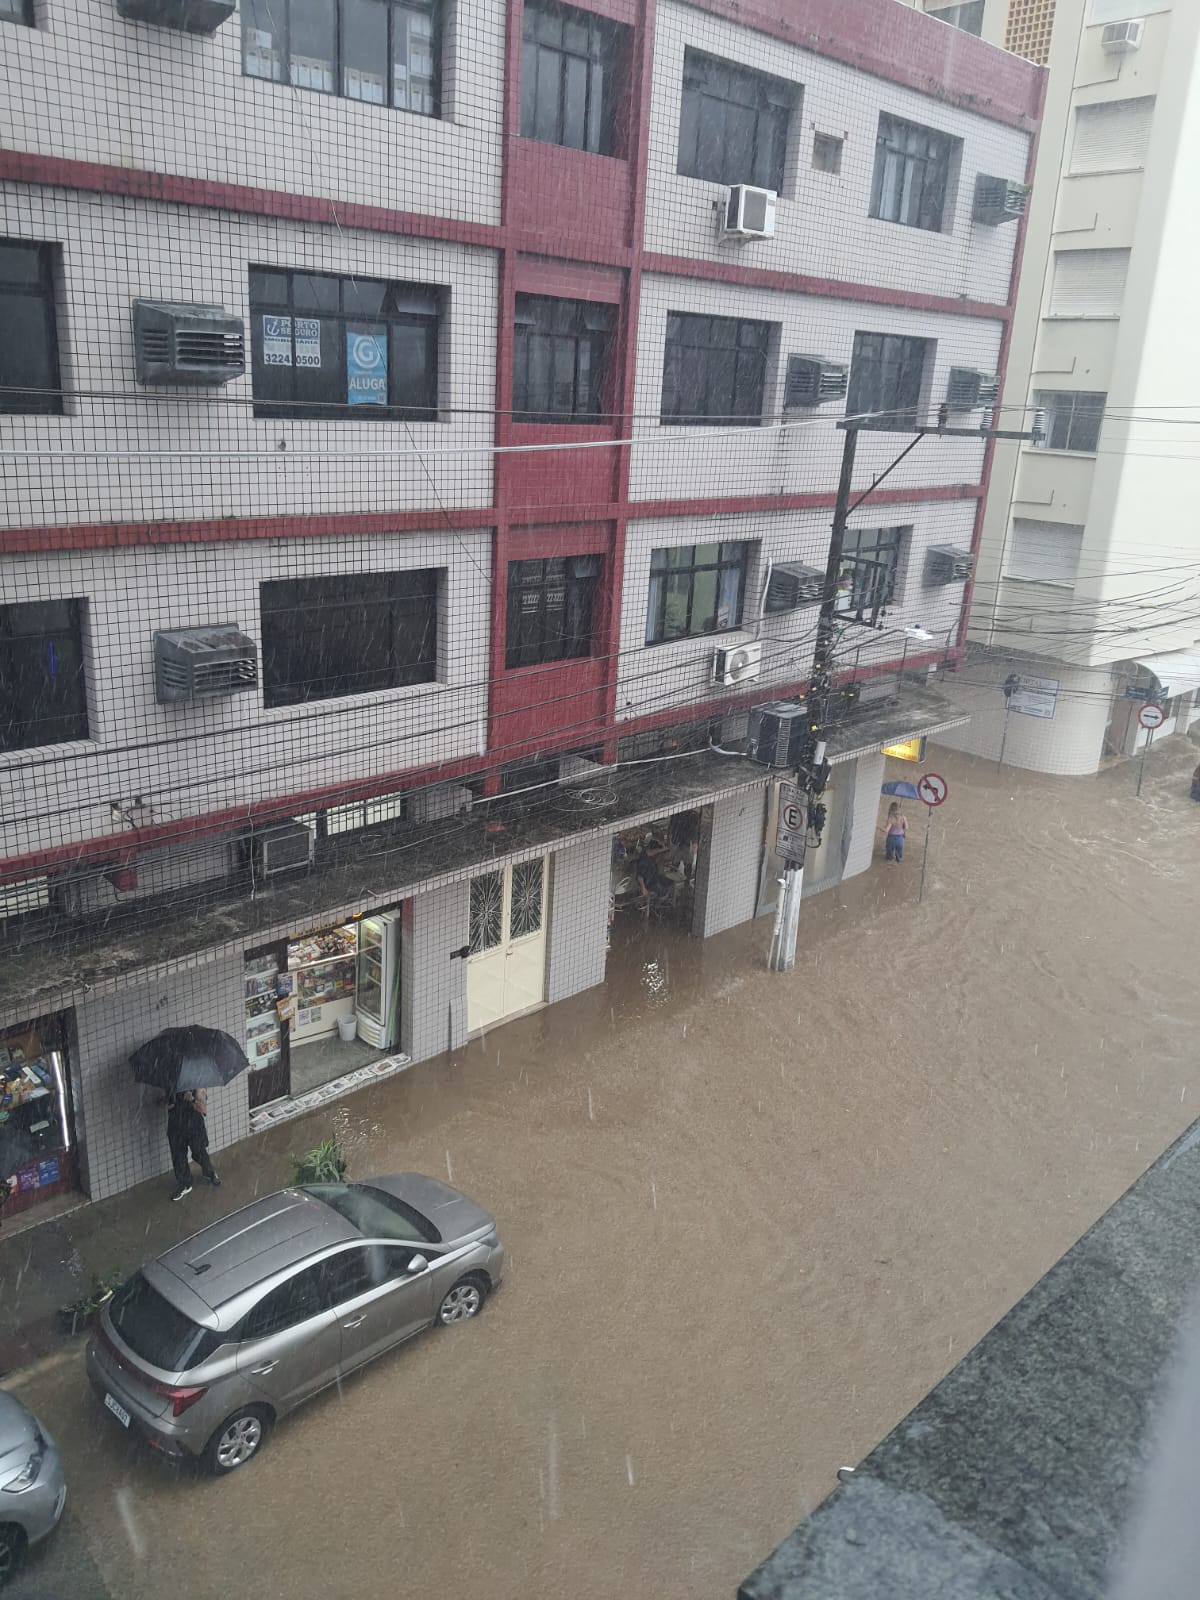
(154, 164)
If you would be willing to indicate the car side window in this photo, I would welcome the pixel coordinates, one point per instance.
(291, 1303)
(364, 1267)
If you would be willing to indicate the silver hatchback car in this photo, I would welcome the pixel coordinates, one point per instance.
(32, 1488)
(207, 1346)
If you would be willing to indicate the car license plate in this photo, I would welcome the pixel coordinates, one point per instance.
(117, 1410)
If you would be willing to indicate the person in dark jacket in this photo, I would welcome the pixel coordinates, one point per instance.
(187, 1131)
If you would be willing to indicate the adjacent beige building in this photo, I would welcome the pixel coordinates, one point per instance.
(1086, 598)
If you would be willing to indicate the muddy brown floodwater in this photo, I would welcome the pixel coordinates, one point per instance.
(752, 1219)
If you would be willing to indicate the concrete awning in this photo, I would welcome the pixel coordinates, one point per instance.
(915, 712)
(1177, 672)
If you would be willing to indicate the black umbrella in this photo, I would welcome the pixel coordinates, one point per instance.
(188, 1058)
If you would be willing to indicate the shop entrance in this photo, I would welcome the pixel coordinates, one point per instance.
(320, 1005)
(506, 967)
(38, 1158)
(654, 872)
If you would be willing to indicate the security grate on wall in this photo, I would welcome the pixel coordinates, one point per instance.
(1088, 283)
(1113, 135)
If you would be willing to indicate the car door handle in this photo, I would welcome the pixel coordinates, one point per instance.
(267, 1366)
(354, 1321)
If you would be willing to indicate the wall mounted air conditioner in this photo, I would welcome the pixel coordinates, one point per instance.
(750, 213)
(777, 733)
(946, 563)
(280, 847)
(813, 381)
(1121, 38)
(968, 390)
(999, 200)
(736, 663)
(792, 585)
(190, 16)
(203, 663)
(177, 343)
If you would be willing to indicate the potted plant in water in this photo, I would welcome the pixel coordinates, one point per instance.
(324, 1163)
(73, 1318)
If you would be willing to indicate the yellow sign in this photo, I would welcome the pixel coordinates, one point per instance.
(910, 750)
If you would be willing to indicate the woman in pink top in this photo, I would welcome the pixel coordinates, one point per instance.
(897, 827)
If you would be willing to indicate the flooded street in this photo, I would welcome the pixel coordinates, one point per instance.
(751, 1219)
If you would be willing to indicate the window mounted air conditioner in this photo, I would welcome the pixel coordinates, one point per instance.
(203, 663)
(777, 732)
(969, 390)
(792, 585)
(750, 213)
(736, 663)
(174, 343)
(280, 847)
(813, 381)
(999, 200)
(1121, 38)
(189, 16)
(946, 563)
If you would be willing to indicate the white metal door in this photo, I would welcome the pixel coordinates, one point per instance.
(506, 970)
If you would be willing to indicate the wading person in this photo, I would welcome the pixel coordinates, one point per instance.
(896, 829)
(187, 1131)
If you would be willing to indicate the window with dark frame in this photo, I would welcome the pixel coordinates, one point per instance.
(870, 562)
(827, 153)
(384, 52)
(43, 692)
(560, 359)
(733, 123)
(347, 633)
(550, 606)
(1073, 419)
(29, 377)
(571, 65)
(714, 370)
(887, 377)
(967, 17)
(696, 589)
(342, 348)
(912, 173)
(17, 11)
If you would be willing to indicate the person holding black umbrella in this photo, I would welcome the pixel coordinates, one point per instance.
(187, 1132)
(183, 1063)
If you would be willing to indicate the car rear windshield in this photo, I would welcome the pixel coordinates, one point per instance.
(374, 1212)
(156, 1330)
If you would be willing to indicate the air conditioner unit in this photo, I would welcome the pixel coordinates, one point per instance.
(813, 381)
(750, 213)
(946, 563)
(174, 343)
(736, 663)
(777, 733)
(969, 390)
(999, 200)
(190, 16)
(1120, 38)
(203, 663)
(792, 585)
(280, 847)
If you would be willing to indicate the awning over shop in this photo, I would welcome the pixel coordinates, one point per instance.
(914, 712)
(1177, 672)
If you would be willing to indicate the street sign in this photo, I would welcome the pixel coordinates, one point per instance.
(1132, 692)
(1032, 697)
(791, 831)
(932, 788)
(1152, 716)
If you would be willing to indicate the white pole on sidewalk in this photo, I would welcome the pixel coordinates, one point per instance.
(787, 920)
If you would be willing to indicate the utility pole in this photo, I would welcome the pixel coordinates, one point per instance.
(813, 768)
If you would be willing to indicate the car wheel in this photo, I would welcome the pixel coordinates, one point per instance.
(239, 1438)
(12, 1552)
(464, 1300)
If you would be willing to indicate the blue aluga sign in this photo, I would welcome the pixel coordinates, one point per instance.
(366, 369)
